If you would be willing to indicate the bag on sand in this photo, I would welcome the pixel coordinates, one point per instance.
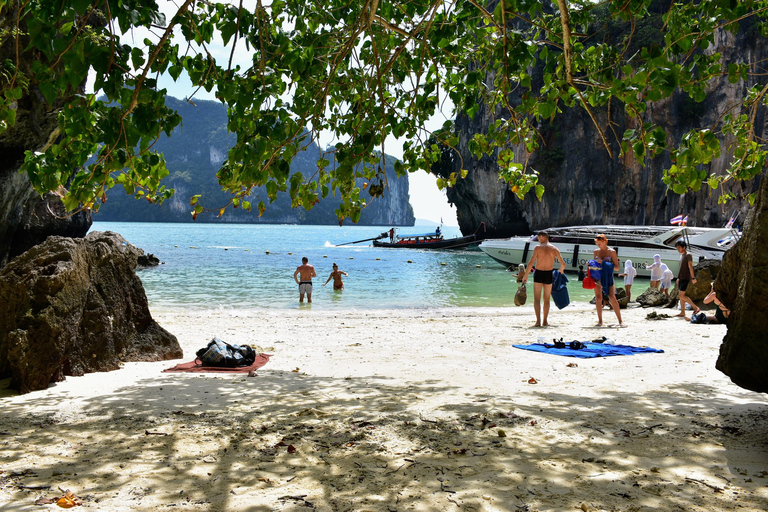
(699, 318)
(221, 353)
(521, 295)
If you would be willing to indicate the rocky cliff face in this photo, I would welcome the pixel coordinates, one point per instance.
(584, 185)
(194, 154)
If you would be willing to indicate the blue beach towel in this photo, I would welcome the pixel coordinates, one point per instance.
(593, 267)
(591, 350)
(560, 290)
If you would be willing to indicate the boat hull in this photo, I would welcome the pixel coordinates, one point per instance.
(512, 252)
(449, 243)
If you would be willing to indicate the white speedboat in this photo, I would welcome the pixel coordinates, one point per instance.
(635, 243)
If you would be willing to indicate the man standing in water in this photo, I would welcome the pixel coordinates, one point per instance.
(544, 256)
(609, 261)
(306, 272)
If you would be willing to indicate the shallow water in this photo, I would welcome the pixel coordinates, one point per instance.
(251, 266)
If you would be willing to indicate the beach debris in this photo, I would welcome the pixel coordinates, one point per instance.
(298, 498)
(148, 433)
(66, 500)
(210, 459)
(296, 370)
(409, 261)
(532, 381)
(656, 316)
(572, 365)
(502, 433)
(479, 266)
(266, 252)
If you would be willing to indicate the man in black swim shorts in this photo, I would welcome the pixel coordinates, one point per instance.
(542, 276)
(544, 256)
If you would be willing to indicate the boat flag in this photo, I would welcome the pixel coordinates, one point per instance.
(679, 220)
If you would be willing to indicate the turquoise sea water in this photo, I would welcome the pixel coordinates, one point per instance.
(251, 266)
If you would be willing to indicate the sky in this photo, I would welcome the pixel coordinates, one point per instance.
(429, 202)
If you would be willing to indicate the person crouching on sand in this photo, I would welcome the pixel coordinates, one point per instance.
(544, 256)
(338, 284)
(609, 260)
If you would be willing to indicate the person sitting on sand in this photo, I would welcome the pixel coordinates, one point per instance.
(609, 260)
(666, 279)
(685, 277)
(721, 313)
(629, 278)
(338, 284)
(544, 256)
(655, 269)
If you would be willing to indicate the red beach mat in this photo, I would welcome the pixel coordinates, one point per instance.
(196, 367)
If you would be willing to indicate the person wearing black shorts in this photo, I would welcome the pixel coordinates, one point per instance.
(542, 276)
(544, 257)
(684, 278)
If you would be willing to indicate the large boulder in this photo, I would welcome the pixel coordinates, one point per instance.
(72, 306)
(652, 297)
(706, 272)
(742, 285)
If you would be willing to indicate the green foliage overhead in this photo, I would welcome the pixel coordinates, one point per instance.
(362, 70)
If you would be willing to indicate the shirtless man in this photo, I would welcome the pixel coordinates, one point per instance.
(544, 256)
(306, 272)
(609, 260)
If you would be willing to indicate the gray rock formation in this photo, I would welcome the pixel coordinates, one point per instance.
(72, 306)
(742, 285)
(584, 185)
(652, 297)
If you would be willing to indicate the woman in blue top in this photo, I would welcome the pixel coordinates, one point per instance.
(609, 260)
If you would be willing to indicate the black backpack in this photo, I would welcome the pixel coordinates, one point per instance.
(221, 353)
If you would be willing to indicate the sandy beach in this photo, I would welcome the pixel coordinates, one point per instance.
(389, 410)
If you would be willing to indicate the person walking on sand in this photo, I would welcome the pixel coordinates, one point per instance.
(685, 277)
(629, 278)
(338, 284)
(544, 256)
(609, 261)
(306, 272)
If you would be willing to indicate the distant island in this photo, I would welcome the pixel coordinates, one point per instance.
(195, 152)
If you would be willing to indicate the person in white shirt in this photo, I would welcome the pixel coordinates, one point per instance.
(666, 279)
(629, 277)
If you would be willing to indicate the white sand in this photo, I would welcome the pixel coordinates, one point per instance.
(400, 410)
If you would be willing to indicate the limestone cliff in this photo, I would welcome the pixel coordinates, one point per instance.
(584, 185)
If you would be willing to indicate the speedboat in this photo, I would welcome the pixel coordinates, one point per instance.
(636, 243)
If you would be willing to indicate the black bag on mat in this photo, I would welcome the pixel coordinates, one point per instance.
(221, 353)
